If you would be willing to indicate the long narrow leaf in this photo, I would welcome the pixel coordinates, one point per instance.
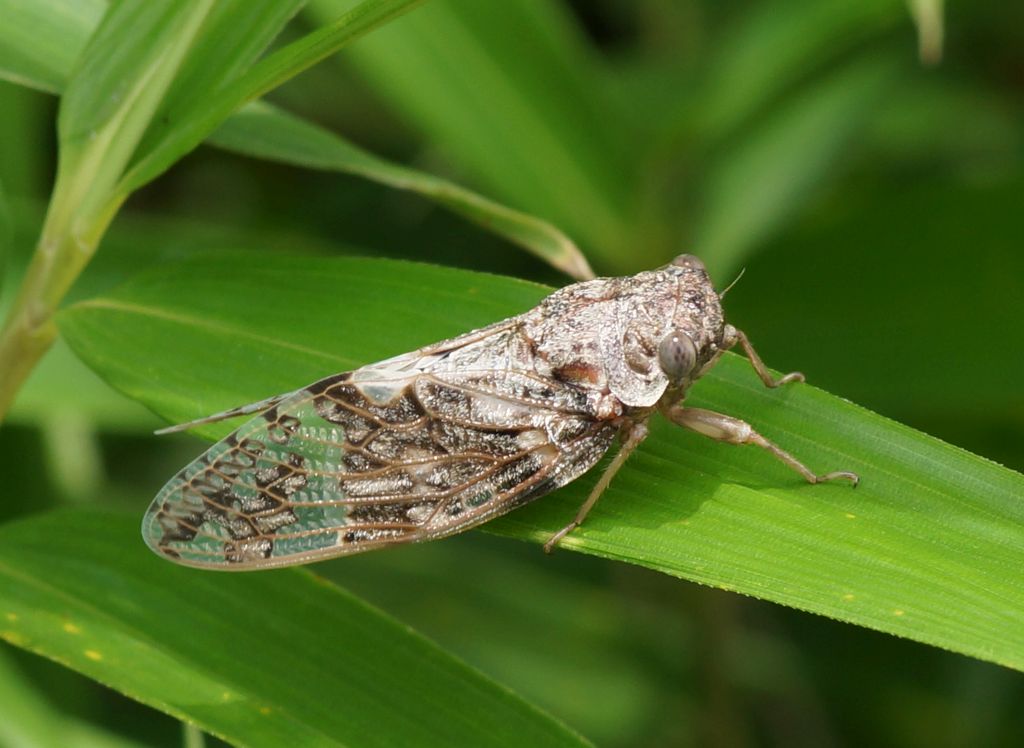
(234, 35)
(772, 47)
(259, 659)
(762, 179)
(264, 76)
(231, 37)
(533, 126)
(130, 45)
(264, 131)
(123, 74)
(28, 719)
(6, 239)
(41, 39)
(930, 547)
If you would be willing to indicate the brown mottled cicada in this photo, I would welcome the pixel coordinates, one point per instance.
(436, 441)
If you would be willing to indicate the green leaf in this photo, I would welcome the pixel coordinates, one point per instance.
(930, 546)
(262, 77)
(534, 128)
(259, 659)
(28, 719)
(771, 48)
(538, 623)
(125, 71)
(133, 43)
(6, 239)
(763, 178)
(264, 131)
(46, 397)
(136, 80)
(41, 39)
(234, 35)
(400, 306)
(228, 43)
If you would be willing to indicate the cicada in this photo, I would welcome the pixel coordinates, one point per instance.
(434, 442)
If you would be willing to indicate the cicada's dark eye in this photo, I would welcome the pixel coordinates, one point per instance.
(676, 355)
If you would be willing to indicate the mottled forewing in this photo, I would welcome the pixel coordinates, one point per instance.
(372, 458)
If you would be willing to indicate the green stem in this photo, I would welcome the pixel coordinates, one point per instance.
(22, 344)
(192, 736)
(62, 253)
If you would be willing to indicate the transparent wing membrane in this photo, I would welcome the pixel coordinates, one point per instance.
(333, 469)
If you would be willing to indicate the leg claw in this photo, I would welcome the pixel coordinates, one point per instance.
(839, 475)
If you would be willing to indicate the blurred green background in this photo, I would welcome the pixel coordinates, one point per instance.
(874, 200)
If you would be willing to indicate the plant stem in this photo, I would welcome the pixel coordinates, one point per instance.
(60, 256)
(192, 736)
(22, 344)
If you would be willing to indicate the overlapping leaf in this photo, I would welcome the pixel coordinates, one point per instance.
(534, 127)
(929, 547)
(230, 41)
(259, 659)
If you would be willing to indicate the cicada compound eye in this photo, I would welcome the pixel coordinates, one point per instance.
(677, 355)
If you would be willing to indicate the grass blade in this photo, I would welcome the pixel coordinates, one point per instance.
(6, 238)
(266, 132)
(770, 50)
(258, 659)
(231, 38)
(930, 546)
(535, 129)
(234, 35)
(761, 180)
(126, 68)
(262, 77)
(28, 719)
(41, 39)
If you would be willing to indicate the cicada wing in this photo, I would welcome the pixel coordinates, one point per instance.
(224, 415)
(373, 458)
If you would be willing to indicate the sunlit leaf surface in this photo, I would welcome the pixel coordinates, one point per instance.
(260, 659)
(929, 547)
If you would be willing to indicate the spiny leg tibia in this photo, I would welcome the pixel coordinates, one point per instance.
(630, 441)
(731, 430)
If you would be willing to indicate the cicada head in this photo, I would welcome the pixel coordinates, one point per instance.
(697, 333)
